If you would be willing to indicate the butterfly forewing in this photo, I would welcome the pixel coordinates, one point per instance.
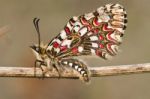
(99, 32)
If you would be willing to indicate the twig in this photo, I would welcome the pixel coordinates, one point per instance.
(69, 73)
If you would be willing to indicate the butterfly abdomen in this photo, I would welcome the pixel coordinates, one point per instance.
(78, 66)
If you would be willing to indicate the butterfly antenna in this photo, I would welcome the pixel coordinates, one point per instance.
(36, 25)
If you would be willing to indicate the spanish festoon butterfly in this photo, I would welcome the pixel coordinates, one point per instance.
(99, 33)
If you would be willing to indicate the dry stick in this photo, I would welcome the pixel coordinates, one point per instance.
(69, 73)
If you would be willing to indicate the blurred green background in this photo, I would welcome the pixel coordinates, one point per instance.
(16, 25)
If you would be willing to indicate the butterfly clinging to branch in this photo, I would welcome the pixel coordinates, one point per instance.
(97, 33)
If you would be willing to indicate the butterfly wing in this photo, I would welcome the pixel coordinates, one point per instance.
(99, 33)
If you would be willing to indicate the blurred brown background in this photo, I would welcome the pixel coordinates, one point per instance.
(16, 24)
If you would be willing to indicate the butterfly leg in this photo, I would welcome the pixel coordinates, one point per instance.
(58, 69)
(79, 66)
(50, 65)
(39, 63)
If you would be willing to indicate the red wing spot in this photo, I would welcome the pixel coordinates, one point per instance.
(95, 31)
(95, 22)
(55, 45)
(110, 49)
(109, 45)
(101, 46)
(101, 37)
(89, 27)
(84, 21)
(67, 30)
(72, 21)
(63, 48)
(110, 38)
(105, 28)
(98, 52)
(74, 50)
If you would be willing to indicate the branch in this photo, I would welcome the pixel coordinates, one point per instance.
(69, 73)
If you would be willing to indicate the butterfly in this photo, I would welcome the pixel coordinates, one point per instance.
(97, 33)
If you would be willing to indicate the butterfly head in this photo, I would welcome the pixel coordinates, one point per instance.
(39, 51)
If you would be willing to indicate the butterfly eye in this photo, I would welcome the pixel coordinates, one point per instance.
(37, 49)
